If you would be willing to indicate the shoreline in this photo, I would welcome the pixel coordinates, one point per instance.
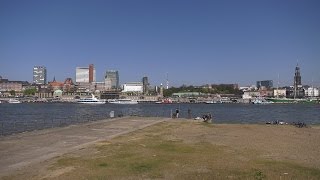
(213, 121)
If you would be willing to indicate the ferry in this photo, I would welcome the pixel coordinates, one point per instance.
(14, 101)
(92, 100)
(123, 101)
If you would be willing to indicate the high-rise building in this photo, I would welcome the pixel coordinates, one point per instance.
(267, 84)
(145, 85)
(39, 75)
(111, 80)
(86, 74)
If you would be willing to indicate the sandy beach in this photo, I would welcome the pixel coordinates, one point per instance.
(166, 149)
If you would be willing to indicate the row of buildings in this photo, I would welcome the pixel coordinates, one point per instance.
(266, 89)
(84, 84)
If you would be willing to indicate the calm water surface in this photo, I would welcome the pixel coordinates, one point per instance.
(16, 118)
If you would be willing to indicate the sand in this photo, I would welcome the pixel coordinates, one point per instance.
(187, 149)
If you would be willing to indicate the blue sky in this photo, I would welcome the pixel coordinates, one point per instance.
(195, 42)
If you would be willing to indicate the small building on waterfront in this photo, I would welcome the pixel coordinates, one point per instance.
(279, 93)
(312, 92)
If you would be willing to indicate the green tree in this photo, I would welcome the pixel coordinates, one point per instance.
(31, 91)
(12, 92)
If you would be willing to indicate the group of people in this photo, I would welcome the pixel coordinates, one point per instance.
(206, 117)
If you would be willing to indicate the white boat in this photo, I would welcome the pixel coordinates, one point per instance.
(92, 100)
(14, 101)
(123, 101)
(261, 101)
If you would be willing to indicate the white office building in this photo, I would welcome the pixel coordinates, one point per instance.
(133, 87)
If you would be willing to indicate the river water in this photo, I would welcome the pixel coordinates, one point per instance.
(16, 118)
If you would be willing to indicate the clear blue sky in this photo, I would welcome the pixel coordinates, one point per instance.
(195, 42)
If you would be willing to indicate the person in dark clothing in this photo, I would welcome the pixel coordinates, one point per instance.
(177, 113)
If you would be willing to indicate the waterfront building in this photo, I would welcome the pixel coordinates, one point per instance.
(97, 87)
(251, 94)
(111, 80)
(11, 86)
(68, 85)
(55, 85)
(44, 93)
(39, 75)
(268, 84)
(85, 74)
(145, 85)
(312, 92)
(281, 93)
(110, 95)
(7, 85)
(266, 93)
(136, 87)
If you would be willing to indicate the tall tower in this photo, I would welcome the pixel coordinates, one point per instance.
(91, 69)
(39, 75)
(297, 77)
(161, 90)
(297, 81)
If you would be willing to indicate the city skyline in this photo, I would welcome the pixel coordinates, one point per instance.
(193, 42)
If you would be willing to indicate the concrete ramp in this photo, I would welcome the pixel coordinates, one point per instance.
(20, 150)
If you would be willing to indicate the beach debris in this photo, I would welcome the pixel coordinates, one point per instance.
(277, 122)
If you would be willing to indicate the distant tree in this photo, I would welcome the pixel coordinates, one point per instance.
(12, 92)
(217, 89)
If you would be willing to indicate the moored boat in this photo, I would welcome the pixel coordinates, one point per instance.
(14, 101)
(261, 101)
(123, 101)
(92, 100)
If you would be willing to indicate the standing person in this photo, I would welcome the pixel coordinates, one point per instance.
(177, 113)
